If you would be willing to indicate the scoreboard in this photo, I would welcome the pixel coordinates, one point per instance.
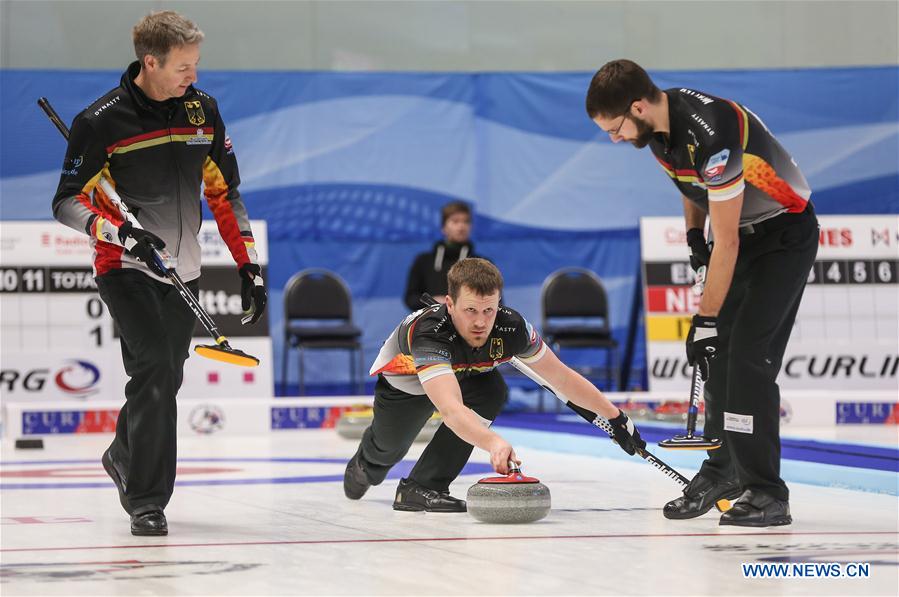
(58, 341)
(846, 335)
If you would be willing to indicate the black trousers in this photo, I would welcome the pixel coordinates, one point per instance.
(754, 325)
(156, 327)
(398, 417)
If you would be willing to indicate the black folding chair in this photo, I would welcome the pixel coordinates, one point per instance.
(576, 315)
(318, 314)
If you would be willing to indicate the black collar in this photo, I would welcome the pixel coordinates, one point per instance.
(140, 98)
(675, 109)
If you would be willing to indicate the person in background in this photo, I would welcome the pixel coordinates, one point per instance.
(428, 272)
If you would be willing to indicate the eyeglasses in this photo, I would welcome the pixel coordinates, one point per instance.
(624, 117)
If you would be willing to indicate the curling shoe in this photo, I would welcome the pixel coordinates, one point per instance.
(149, 521)
(757, 509)
(699, 497)
(355, 481)
(114, 471)
(412, 497)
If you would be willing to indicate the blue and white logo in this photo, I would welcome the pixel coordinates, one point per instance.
(714, 168)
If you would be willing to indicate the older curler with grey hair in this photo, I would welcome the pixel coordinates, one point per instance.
(160, 31)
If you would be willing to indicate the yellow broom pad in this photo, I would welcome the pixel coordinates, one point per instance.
(233, 357)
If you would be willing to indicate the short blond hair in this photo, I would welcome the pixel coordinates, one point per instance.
(479, 275)
(160, 31)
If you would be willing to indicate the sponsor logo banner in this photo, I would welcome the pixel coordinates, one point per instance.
(233, 416)
(32, 375)
(52, 422)
(43, 243)
(867, 413)
(811, 366)
(305, 417)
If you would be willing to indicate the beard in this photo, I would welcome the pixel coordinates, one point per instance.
(644, 133)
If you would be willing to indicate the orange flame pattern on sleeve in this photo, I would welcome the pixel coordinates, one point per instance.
(216, 192)
(762, 175)
(401, 364)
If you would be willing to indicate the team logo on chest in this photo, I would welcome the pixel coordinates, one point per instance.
(195, 112)
(199, 139)
(496, 348)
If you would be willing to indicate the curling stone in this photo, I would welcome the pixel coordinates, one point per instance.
(512, 499)
(353, 423)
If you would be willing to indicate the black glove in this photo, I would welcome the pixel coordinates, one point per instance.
(140, 243)
(626, 435)
(252, 293)
(699, 249)
(702, 343)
